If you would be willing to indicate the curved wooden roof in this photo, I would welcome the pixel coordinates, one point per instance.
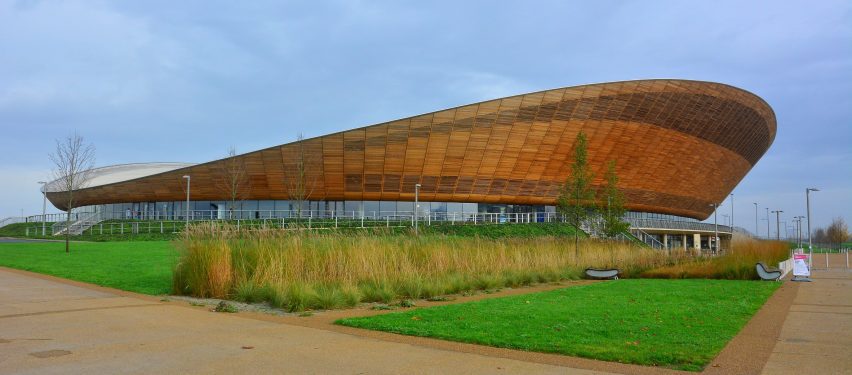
(679, 146)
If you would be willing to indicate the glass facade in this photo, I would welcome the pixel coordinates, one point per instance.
(272, 209)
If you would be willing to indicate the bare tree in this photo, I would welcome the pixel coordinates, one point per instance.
(73, 161)
(300, 173)
(820, 236)
(837, 231)
(233, 180)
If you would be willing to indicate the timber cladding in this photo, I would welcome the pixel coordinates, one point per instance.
(678, 146)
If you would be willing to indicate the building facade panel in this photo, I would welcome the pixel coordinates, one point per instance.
(678, 146)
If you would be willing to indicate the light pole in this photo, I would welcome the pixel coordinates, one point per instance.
(777, 224)
(188, 178)
(715, 228)
(416, 208)
(731, 246)
(799, 228)
(810, 243)
(767, 223)
(755, 221)
(43, 206)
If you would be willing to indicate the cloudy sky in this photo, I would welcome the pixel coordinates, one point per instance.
(182, 81)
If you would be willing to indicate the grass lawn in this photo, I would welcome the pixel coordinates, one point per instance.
(681, 324)
(143, 267)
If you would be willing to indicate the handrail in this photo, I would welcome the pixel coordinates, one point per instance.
(12, 220)
(83, 221)
(647, 224)
(648, 239)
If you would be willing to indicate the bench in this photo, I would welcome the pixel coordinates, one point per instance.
(597, 273)
(767, 273)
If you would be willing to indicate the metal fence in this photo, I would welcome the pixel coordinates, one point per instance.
(308, 220)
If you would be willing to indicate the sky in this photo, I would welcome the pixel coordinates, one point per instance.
(160, 81)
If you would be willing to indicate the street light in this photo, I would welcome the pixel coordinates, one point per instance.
(188, 178)
(767, 223)
(810, 243)
(755, 221)
(715, 228)
(416, 208)
(777, 224)
(731, 246)
(799, 229)
(43, 206)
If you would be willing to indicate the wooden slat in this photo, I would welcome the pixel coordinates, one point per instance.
(678, 146)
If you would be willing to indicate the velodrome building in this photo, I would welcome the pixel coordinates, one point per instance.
(680, 147)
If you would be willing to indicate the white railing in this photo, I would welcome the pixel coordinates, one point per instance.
(159, 222)
(83, 221)
(529, 217)
(647, 238)
(12, 220)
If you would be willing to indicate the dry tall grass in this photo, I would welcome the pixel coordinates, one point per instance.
(312, 271)
(738, 264)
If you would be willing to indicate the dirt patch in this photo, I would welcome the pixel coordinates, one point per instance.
(50, 353)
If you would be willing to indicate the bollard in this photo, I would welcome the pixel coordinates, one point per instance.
(826, 260)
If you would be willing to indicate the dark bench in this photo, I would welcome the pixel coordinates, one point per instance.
(767, 273)
(598, 273)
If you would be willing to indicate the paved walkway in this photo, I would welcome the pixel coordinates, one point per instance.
(54, 327)
(816, 337)
(47, 327)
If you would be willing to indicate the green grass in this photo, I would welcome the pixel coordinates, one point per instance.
(681, 324)
(143, 267)
(111, 230)
(20, 229)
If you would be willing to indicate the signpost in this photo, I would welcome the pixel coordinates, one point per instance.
(801, 272)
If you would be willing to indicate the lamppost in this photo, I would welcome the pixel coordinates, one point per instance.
(188, 178)
(767, 223)
(731, 246)
(777, 224)
(810, 243)
(416, 208)
(798, 230)
(755, 221)
(43, 207)
(715, 228)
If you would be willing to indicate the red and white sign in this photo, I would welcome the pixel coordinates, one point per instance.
(800, 265)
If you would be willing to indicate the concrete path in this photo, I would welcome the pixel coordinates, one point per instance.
(48, 327)
(816, 337)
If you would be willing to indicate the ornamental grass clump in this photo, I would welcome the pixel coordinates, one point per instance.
(305, 270)
(736, 265)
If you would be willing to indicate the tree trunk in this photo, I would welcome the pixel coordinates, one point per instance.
(67, 231)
